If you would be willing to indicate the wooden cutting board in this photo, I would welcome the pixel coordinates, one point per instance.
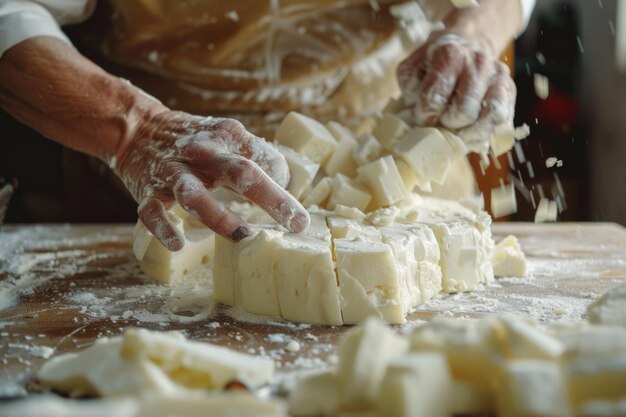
(63, 286)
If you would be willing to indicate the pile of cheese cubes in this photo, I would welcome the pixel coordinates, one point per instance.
(502, 365)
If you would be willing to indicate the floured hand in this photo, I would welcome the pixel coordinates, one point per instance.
(180, 157)
(458, 85)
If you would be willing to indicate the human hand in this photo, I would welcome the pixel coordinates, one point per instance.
(459, 85)
(178, 157)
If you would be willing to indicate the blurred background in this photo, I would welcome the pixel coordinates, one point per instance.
(579, 45)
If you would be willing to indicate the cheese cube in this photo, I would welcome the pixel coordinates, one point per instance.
(348, 212)
(341, 160)
(319, 193)
(609, 309)
(305, 276)
(314, 395)
(256, 273)
(389, 129)
(301, 169)
(342, 227)
(349, 193)
(596, 378)
(415, 385)
(428, 152)
(224, 271)
(367, 149)
(547, 211)
(306, 136)
(462, 342)
(168, 267)
(384, 181)
(409, 177)
(531, 388)
(369, 267)
(503, 201)
(363, 356)
(502, 140)
(508, 259)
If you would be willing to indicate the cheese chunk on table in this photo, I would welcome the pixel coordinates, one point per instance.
(341, 160)
(349, 192)
(306, 136)
(384, 181)
(508, 259)
(319, 193)
(389, 129)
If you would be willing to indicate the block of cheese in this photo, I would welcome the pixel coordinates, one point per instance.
(368, 281)
(384, 181)
(547, 211)
(596, 378)
(508, 259)
(364, 354)
(428, 152)
(366, 150)
(416, 385)
(609, 309)
(342, 227)
(224, 271)
(306, 136)
(389, 129)
(348, 192)
(531, 388)
(409, 177)
(143, 362)
(319, 193)
(503, 201)
(301, 169)
(341, 160)
(314, 395)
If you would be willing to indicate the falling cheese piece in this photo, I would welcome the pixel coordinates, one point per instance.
(547, 211)
(508, 259)
(503, 201)
(306, 136)
(542, 86)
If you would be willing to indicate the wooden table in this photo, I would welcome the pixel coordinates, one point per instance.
(61, 286)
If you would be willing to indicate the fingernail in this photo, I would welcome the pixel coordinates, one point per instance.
(300, 222)
(240, 233)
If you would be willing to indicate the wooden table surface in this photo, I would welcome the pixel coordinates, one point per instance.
(61, 286)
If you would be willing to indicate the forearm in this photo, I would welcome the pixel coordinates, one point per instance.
(49, 86)
(493, 24)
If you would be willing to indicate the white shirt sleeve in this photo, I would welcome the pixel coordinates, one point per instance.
(21, 20)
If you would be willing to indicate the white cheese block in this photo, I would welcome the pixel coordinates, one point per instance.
(341, 160)
(363, 356)
(349, 193)
(508, 259)
(348, 212)
(141, 240)
(416, 385)
(224, 271)
(547, 211)
(462, 342)
(319, 193)
(164, 266)
(367, 268)
(384, 181)
(428, 152)
(306, 136)
(343, 227)
(257, 257)
(503, 201)
(409, 177)
(142, 362)
(314, 395)
(609, 309)
(367, 149)
(389, 129)
(542, 86)
(302, 171)
(531, 388)
(596, 378)
(306, 279)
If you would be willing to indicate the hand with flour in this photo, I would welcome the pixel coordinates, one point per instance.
(179, 157)
(455, 79)
(162, 156)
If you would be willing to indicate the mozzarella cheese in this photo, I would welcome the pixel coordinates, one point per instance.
(341, 160)
(508, 259)
(415, 385)
(302, 171)
(609, 309)
(143, 362)
(348, 192)
(389, 129)
(384, 181)
(306, 136)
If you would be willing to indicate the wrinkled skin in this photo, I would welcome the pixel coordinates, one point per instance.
(459, 85)
(177, 157)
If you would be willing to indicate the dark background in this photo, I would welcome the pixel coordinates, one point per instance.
(575, 43)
